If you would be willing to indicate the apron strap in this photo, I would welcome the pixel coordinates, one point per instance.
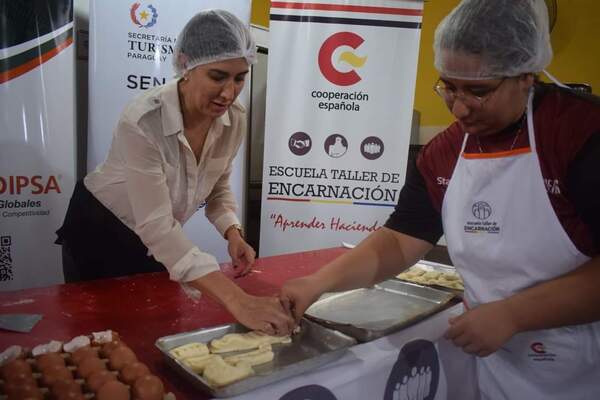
(464, 144)
(530, 130)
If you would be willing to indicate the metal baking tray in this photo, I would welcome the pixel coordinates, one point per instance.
(368, 314)
(314, 346)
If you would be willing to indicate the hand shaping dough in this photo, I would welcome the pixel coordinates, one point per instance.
(218, 373)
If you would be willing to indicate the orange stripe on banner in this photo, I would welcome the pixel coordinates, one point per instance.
(28, 66)
(349, 8)
(499, 154)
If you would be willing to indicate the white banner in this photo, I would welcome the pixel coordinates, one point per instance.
(131, 46)
(340, 96)
(37, 144)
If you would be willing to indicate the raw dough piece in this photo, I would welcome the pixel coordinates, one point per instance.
(450, 277)
(262, 355)
(218, 373)
(455, 285)
(197, 364)
(419, 279)
(431, 275)
(418, 275)
(194, 349)
(245, 341)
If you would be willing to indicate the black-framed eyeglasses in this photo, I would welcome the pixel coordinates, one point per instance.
(470, 98)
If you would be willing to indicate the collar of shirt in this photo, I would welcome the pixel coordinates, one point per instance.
(172, 117)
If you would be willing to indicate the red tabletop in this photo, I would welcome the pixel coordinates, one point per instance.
(143, 308)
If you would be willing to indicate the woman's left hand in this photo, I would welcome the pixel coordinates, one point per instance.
(482, 330)
(242, 254)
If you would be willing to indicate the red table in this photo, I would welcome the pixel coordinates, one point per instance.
(143, 308)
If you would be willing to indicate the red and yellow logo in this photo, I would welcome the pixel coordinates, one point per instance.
(538, 347)
(326, 65)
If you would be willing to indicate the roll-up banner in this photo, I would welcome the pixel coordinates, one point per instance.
(340, 93)
(131, 47)
(37, 143)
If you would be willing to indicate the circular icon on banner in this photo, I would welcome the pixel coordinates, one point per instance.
(481, 210)
(300, 143)
(371, 148)
(416, 373)
(309, 392)
(336, 146)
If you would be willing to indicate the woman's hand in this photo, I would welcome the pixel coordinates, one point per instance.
(242, 254)
(298, 294)
(264, 314)
(482, 330)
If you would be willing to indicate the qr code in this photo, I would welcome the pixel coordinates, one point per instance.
(6, 271)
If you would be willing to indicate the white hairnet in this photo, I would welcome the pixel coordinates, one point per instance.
(212, 36)
(507, 38)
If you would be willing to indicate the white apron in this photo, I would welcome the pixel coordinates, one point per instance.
(504, 236)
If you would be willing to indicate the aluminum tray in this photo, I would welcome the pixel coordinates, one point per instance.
(368, 314)
(312, 347)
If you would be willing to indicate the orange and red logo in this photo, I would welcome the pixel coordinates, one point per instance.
(326, 65)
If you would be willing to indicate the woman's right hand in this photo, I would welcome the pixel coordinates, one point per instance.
(298, 294)
(265, 314)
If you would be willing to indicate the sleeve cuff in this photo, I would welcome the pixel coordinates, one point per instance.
(225, 221)
(195, 264)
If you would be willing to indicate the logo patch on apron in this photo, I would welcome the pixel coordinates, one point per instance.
(539, 353)
(482, 211)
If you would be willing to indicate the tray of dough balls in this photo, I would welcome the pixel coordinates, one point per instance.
(96, 367)
(433, 274)
(229, 360)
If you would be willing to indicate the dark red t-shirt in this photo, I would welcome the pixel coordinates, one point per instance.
(567, 134)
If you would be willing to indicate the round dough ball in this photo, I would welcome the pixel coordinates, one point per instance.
(113, 390)
(21, 379)
(66, 389)
(132, 371)
(90, 365)
(107, 348)
(148, 387)
(14, 368)
(56, 373)
(27, 391)
(48, 361)
(120, 357)
(99, 378)
(82, 353)
(70, 396)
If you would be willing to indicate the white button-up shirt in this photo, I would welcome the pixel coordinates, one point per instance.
(152, 182)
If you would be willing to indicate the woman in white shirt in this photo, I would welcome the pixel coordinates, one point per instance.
(171, 154)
